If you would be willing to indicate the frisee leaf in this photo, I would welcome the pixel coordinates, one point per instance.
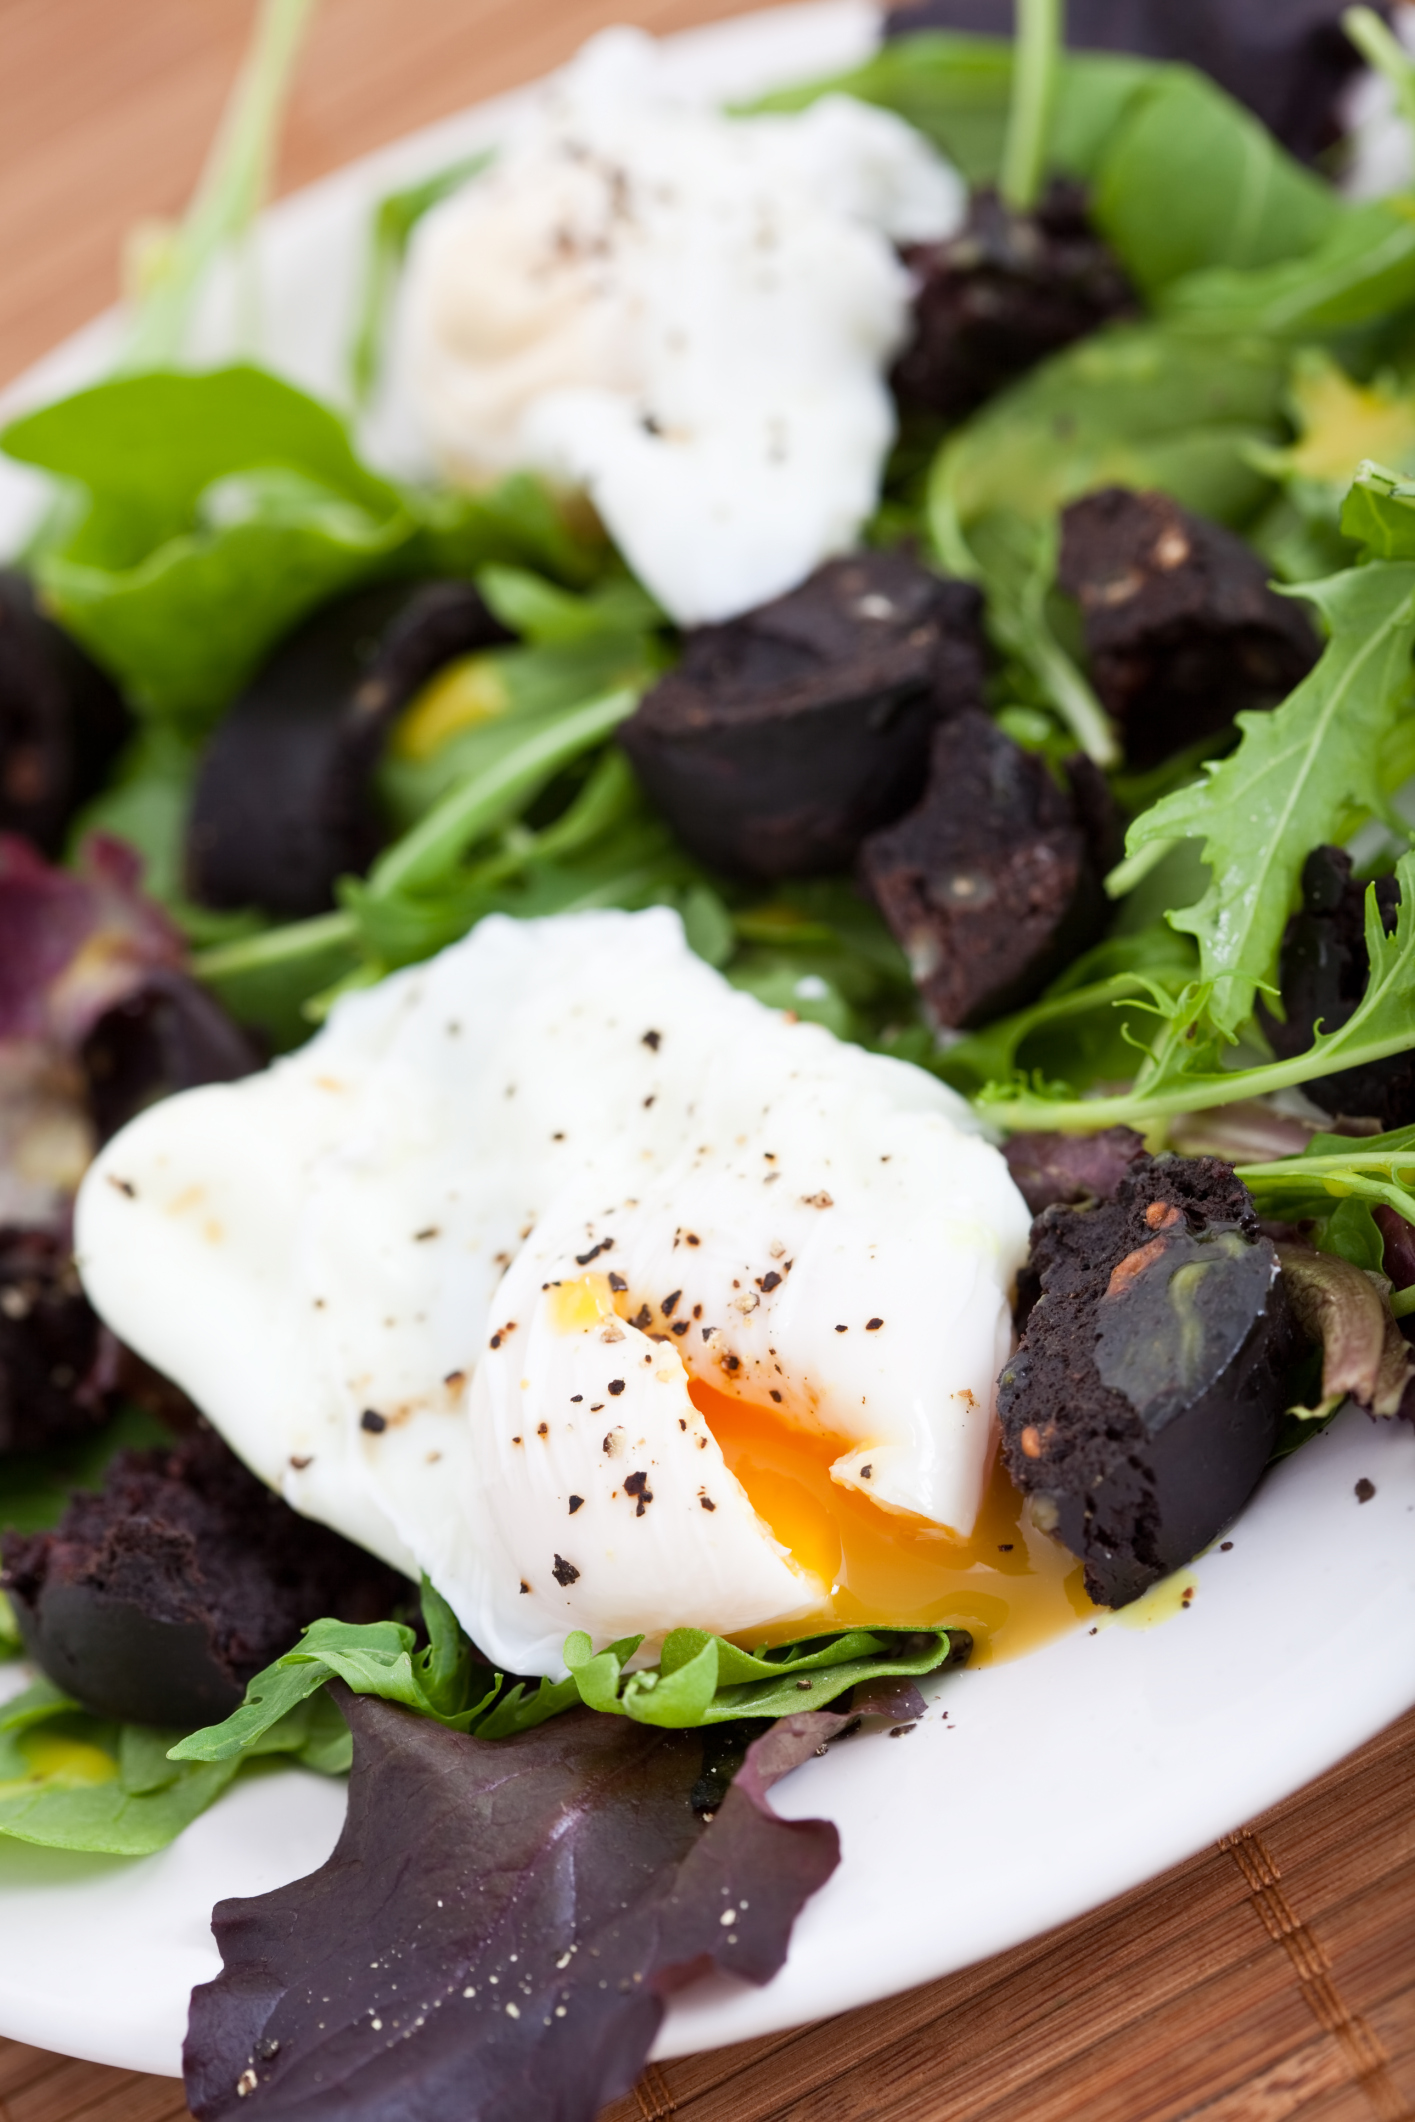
(1299, 770)
(1182, 1069)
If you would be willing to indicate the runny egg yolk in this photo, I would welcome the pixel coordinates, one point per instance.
(1014, 1587)
(1010, 1584)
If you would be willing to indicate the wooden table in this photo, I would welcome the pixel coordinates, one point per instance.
(1272, 1977)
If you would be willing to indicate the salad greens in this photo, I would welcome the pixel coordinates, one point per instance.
(699, 1680)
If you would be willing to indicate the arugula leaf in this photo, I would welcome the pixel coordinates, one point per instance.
(390, 233)
(221, 508)
(1295, 776)
(1333, 1172)
(69, 1780)
(700, 1679)
(1182, 1071)
(1192, 180)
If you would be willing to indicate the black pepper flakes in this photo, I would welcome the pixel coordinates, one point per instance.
(769, 1281)
(617, 1283)
(564, 1573)
(542, 1429)
(576, 1503)
(872, 1326)
(373, 1421)
(616, 1386)
(1365, 1490)
(707, 1503)
(524, 1586)
(680, 1326)
(867, 1472)
(652, 1040)
(637, 1485)
(643, 1318)
(606, 1245)
(669, 1303)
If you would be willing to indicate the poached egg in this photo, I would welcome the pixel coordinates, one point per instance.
(564, 1272)
(688, 315)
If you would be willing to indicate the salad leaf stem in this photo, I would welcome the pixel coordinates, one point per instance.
(230, 189)
(425, 855)
(1039, 25)
(274, 947)
(1386, 54)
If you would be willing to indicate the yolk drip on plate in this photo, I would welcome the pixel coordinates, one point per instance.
(1012, 1585)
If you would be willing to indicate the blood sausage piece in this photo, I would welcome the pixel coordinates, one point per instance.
(1145, 1398)
(282, 806)
(1000, 295)
(994, 882)
(57, 1364)
(1181, 627)
(62, 722)
(785, 736)
(1323, 973)
(158, 1598)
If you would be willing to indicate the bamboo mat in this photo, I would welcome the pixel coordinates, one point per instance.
(1271, 1977)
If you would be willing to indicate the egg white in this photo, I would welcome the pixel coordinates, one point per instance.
(382, 1269)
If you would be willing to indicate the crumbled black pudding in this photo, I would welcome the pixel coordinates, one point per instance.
(785, 736)
(1323, 973)
(158, 1598)
(1288, 62)
(1181, 627)
(994, 882)
(1145, 1399)
(283, 804)
(168, 1035)
(999, 296)
(62, 721)
(57, 1364)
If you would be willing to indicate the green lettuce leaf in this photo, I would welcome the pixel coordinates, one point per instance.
(1293, 781)
(1379, 512)
(700, 1679)
(220, 509)
(69, 1780)
(1362, 272)
(390, 233)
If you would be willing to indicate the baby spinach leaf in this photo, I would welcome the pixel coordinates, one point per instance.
(531, 1904)
(1297, 772)
(220, 509)
(957, 91)
(1192, 180)
(1361, 272)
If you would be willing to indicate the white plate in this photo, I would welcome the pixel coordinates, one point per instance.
(1055, 1783)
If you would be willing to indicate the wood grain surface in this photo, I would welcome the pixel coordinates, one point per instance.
(1270, 1978)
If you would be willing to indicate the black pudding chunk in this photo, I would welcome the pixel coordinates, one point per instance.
(54, 1355)
(999, 296)
(158, 1598)
(1288, 60)
(786, 735)
(1145, 1399)
(1181, 627)
(1323, 972)
(994, 882)
(168, 1035)
(283, 806)
(62, 722)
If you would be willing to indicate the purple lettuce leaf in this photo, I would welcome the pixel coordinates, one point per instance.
(1068, 1168)
(74, 942)
(495, 1936)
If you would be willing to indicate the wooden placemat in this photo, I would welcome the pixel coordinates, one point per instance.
(1271, 1977)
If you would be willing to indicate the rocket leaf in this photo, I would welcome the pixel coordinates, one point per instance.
(1297, 773)
(497, 1932)
(1183, 1070)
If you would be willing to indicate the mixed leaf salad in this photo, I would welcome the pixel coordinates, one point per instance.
(275, 723)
